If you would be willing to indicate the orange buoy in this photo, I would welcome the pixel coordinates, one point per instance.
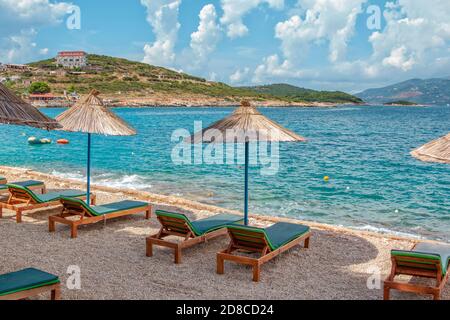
(62, 141)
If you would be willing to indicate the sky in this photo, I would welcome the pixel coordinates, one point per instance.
(347, 45)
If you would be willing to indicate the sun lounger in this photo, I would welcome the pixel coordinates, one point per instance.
(3, 180)
(193, 232)
(30, 184)
(269, 242)
(92, 214)
(28, 283)
(425, 260)
(23, 199)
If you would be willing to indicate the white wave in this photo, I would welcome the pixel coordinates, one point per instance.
(133, 182)
(388, 231)
(69, 175)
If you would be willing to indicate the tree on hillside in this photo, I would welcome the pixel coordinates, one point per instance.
(39, 87)
(71, 89)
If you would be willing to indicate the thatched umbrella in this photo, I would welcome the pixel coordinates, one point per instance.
(90, 115)
(14, 110)
(245, 125)
(434, 151)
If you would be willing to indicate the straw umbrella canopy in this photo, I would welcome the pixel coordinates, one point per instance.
(14, 110)
(91, 116)
(245, 125)
(434, 151)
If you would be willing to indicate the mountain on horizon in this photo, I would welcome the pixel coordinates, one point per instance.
(283, 90)
(434, 91)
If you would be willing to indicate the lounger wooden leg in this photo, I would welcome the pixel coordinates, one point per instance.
(148, 214)
(1, 211)
(307, 242)
(19, 216)
(178, 254)
(437, 296)
(51, 225)
(56, 293)
(220, 264)
(149, 248)
(73, 231)
(387, 293)
(256, 272)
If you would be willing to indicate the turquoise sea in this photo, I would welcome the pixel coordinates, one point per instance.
(374, 182)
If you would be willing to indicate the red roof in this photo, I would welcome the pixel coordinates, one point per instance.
(42, 95)
(71, 53)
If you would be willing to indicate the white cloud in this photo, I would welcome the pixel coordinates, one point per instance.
(272, 68)
(20, 21)
(16, 48)
(205, 39)
(324, 20)
(414, 42)
(43, 51)
(235, 10)
(240, 75)
(17, 14)
(416, 33)
(162, 15)
(399, 59)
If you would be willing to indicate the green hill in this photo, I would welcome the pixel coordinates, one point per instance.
(122, 79)
(301, 94)
(116, 75)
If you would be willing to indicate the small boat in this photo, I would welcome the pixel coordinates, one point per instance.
(36, 141)
(62, 141)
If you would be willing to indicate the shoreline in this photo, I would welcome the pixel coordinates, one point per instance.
(192, 205)
(195, 102)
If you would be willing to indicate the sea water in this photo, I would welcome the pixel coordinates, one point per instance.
(374, 182)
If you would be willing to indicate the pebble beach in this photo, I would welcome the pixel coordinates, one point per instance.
(111, 256)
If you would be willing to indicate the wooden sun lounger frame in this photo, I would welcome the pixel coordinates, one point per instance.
(41, 187)
(87, 218)
(415, 268)
(55, 293)
(20, 201)
(262, 247)
(190, 238)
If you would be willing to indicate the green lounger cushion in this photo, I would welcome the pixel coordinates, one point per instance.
(213, 223)
(29, 183)
(436, 252)
(204, 226)
(108, 208)
(279, 234)
(26, 279)
(51, 196)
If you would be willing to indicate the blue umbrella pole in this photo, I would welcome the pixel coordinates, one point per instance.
(247, 147)
(88, 195)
